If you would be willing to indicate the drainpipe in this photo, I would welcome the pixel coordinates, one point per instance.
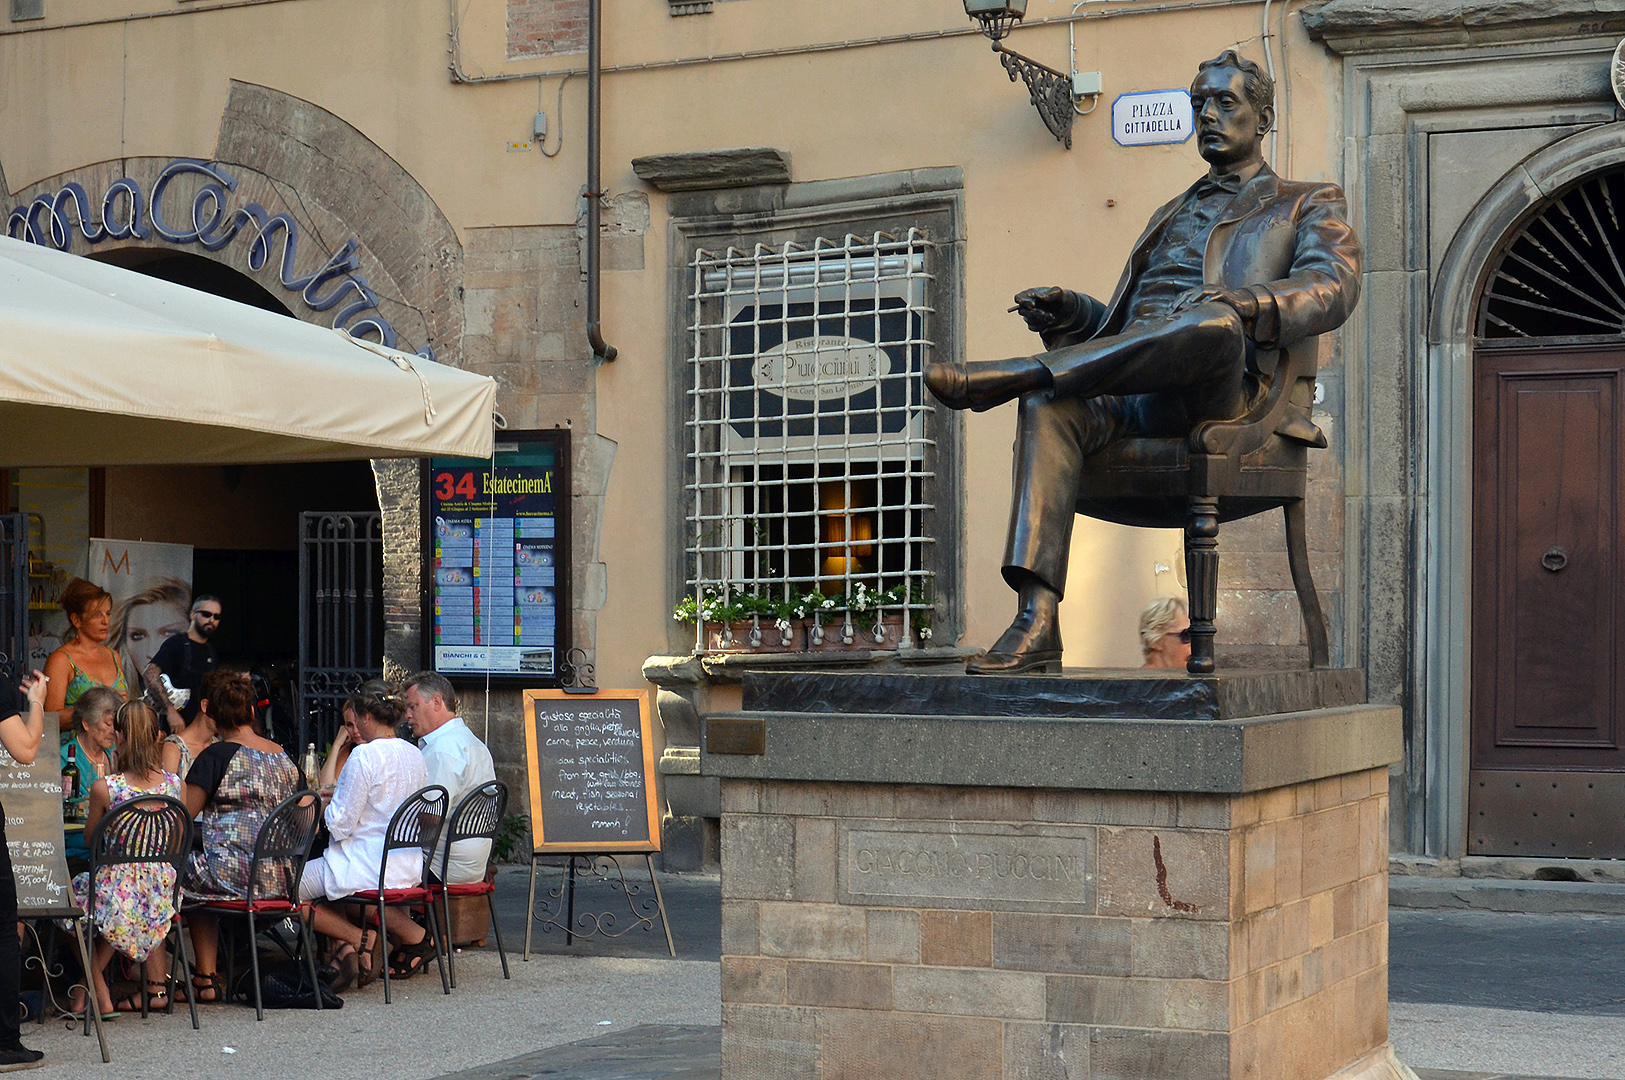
(603, 351)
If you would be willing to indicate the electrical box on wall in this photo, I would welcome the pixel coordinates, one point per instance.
(1085, 83)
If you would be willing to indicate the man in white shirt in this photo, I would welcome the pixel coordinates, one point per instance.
(456, 760)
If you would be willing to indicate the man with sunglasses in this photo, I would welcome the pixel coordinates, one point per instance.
(186, 658)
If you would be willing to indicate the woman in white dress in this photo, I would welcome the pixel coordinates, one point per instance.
(381, 773)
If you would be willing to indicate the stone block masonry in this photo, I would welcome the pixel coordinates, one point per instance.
(892, 930)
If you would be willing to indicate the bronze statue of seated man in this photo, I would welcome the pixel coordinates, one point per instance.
(1240, 266)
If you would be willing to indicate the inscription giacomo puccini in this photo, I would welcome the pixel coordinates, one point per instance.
(985, 865)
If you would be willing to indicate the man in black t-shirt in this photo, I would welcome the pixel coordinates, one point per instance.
(186, 658)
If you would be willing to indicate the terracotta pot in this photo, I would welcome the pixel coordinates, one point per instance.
(891, 629)
(737, 637)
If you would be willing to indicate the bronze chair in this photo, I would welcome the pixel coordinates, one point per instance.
(1225, 470)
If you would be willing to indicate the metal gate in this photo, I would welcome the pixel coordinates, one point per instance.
(14, 596)
(341, 615)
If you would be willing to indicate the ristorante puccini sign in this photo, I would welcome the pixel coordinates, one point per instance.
(127, 211)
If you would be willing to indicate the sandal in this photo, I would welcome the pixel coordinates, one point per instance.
(205, 988)
(407, 960)
(157, 998)
(374, 966)
(342, 969)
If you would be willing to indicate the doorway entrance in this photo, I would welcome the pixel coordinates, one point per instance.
(1547, 775)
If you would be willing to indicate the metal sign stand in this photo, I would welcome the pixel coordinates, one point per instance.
(561, 913)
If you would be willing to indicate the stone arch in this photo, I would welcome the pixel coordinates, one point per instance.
(1498, 216)
(346, 196)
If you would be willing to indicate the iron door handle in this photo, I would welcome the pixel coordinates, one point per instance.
(1554, 559)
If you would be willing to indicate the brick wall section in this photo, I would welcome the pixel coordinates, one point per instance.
(546, 27)
(1229, 937)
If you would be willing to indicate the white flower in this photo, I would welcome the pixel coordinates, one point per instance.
(783, 624)
(925, 633)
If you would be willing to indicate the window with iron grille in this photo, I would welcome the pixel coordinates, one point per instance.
(810, 449)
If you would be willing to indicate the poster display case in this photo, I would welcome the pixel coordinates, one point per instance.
(497, 554)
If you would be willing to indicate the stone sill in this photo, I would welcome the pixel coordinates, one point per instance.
(1508, 868)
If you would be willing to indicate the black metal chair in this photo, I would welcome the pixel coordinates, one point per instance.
(150, 830)
(1225, 470)
(477, 817)
(280, 852)
(416, 824)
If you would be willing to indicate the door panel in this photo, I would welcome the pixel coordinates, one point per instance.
(1547, 565)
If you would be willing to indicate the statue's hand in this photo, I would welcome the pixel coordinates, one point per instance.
(1242, 302)
(1042, 308)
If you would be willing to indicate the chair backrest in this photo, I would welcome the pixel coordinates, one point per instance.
(282, 847)
(416, 824)
(145, 829)
(477, 817)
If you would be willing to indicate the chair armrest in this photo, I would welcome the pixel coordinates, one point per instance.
(1271, 412)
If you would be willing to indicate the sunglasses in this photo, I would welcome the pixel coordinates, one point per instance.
(213, 616)
(1184, 636)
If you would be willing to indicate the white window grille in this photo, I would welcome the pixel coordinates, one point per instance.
(810, 446)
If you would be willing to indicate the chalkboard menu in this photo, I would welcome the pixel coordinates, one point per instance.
(591, 771)
(32, 797)
(496, 541)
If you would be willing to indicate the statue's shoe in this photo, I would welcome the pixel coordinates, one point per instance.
(984, 384)
(1023, 647)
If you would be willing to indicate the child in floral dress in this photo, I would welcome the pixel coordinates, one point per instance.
(134, 905)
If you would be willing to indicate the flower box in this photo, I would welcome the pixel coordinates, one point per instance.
(750, 635)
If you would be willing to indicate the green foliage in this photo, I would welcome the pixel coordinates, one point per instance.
(506, 843)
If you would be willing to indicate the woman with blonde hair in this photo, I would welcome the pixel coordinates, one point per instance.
(1165, 633)
(134, 903)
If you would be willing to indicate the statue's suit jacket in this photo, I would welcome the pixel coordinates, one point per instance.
(1289, 242)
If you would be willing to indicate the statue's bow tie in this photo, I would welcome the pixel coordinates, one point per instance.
(1209, 185)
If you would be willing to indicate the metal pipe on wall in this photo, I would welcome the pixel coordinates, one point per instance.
(595, 194)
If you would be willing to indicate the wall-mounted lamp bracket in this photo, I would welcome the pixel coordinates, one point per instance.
(1050, 90)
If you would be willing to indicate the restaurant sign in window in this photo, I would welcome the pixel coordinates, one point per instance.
(496, 544)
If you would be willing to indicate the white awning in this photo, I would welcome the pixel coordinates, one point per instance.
(104, 366)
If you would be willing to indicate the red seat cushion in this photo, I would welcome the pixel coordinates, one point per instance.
(258, 906)
(473, 888)
(391, 896)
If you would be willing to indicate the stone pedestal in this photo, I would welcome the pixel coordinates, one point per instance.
(964, 895)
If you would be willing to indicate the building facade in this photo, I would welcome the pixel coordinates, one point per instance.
(802, 205)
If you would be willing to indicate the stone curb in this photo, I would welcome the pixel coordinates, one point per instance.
(1500, 894)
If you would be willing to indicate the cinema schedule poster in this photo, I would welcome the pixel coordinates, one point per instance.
(498, 559)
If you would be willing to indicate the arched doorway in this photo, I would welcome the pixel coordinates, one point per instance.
(1547, 700)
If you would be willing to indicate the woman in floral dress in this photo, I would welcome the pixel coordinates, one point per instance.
(134, 905)
(233, 786)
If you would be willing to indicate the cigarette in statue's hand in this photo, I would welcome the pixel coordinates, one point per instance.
(1015, 308)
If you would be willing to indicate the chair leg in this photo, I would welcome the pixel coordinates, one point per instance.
(442, 944)
(386, 945)
(254, 965)
(496, 931)
(1202, 576)
(308, 944)
(451, 950)
(186, 966)
(1297, 557)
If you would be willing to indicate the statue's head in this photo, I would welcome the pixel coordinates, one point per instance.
(1234, 103)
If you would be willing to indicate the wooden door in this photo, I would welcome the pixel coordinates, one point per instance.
(1547, 775)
